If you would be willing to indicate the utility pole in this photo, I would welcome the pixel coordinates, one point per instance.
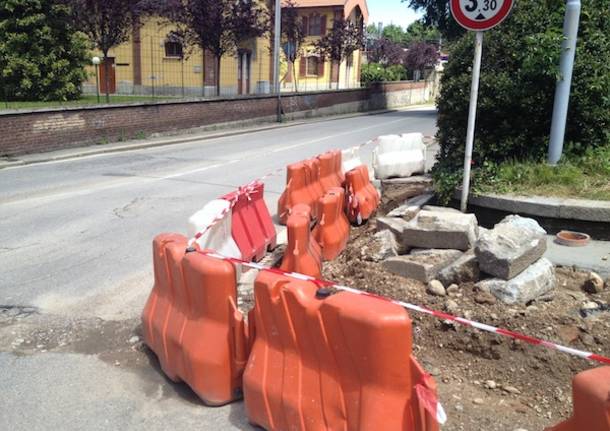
(562, 92)
(276, 57)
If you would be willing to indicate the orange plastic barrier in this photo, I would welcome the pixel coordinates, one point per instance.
(332, 231)
(331, 174)
(251, 225)
(591, 399)
(299, 190)
(303, 254)
(192, 323)
(363, 198)
(313, 175)
(333, 363)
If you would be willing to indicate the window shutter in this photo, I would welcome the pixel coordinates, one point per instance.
(305, 26)
(323, 25)
(321, 61)
(303, 66)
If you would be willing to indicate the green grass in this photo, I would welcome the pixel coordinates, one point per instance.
(585, 177)
(84, 100)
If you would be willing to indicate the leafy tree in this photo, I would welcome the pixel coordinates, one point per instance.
(418, 31)
(386, 52)
(437, 13)
(217, 26)
(518, 79)
(395, 33)
(373, 30)
(420, 56)
(293, 35)
(107, 23)
(42, 57)
(341, 41)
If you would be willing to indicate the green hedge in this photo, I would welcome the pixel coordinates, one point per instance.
(518, 79)
(375, 72)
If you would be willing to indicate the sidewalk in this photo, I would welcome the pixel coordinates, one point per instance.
(181, 137)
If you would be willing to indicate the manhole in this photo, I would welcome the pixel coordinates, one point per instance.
(572, 239)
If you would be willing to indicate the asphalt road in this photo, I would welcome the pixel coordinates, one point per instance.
(75, 253)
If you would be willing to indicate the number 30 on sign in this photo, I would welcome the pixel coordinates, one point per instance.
(480, 15)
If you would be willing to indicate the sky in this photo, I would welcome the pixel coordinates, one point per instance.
(391, 12)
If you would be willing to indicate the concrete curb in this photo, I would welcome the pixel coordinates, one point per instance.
(186, 138)
(542, 206)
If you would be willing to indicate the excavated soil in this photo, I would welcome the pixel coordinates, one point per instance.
(486, 381)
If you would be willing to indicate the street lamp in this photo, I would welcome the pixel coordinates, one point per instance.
(96, 62)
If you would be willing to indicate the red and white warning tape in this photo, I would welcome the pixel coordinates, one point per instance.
(420, 309)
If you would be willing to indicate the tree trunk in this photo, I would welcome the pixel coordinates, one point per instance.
(218, 58)
(107, 76)
(294, 75)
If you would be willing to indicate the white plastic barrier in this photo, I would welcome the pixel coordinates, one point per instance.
(399, 155)
(350, 158)
(218, 237)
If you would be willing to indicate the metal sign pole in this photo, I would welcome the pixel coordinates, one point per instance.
(276, 58)
(472, 113)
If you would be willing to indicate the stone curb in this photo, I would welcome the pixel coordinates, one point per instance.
(542, 206)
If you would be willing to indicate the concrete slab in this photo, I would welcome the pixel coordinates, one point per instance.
(593, 257)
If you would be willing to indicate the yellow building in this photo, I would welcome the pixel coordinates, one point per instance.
(154, 62)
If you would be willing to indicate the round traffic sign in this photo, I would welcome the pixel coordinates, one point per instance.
(480, 15)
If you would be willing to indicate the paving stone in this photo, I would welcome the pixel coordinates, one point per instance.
(411, 207)
(508, 249)
(388, 247)
(441, 230)
(535, 282)
(463, 270)
(396, 191)
(523, 223)
(396, 226)
(422, 265)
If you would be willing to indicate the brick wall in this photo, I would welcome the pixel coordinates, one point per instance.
(48, 130)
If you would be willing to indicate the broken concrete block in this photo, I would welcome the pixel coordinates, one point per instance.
(422, 265)
(396, 227)
(535, 282)
(463, 270)
(523, 223)
(388, 247)
(446, 230)
(411, 207)
(440, 209)
(395, 191)
(508, 249)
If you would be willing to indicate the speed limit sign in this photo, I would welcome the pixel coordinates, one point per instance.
(480, 15)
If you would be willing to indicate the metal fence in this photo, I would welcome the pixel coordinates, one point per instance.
(157, 67)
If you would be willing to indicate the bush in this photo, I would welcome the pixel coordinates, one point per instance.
(518, 80)
(374, 72)
(41, 57)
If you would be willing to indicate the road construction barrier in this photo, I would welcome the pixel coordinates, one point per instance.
(591, 400)
(399, 155)
(350, 159)
(303, 254)
(252, 227)
(192, 323)
(298, 191)
(214, 221)
(338, 362)
(331, 174)
(332, 231)
(362, 197)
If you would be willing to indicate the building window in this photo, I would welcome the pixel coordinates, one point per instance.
(312, 67)
(173, 48)
(315, 25)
